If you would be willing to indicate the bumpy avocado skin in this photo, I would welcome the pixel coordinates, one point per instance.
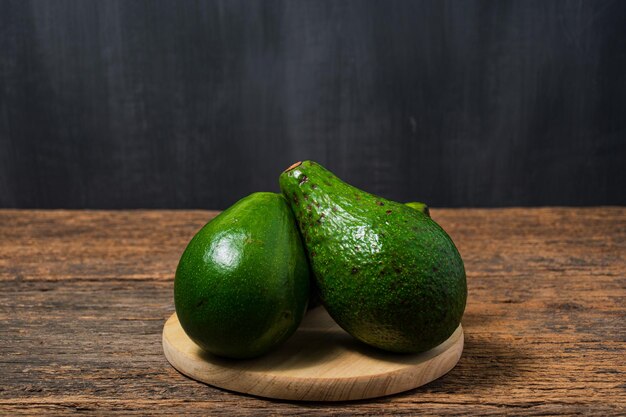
(386, 272)
(242, 284)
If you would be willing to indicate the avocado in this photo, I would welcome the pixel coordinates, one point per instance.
(386, 272)
(242, 283)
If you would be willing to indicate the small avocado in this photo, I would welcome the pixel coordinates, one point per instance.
(419, 207)
(386, 272)
(242, 283)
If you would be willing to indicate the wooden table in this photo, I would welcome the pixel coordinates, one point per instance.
(85, 295)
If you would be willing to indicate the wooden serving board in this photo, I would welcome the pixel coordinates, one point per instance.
(320, 362)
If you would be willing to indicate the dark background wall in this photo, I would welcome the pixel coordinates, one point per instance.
(121, 104)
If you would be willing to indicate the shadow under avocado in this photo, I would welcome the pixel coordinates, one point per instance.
(488, 360)
(319, 339)
(301, 351)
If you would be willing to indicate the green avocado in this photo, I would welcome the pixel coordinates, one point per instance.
(386, 272)
(242, 284)
(419, 207)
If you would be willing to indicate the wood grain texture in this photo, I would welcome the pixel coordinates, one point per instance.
(320, 362)
(148, 103)
(85, 296)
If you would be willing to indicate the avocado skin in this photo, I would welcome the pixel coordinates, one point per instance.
(386, 272)
(314, 298)
(242, 283)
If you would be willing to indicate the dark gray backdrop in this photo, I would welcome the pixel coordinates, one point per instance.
(121, 104)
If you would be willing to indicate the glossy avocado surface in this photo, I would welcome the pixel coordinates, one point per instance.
(242, 283)
(386, 272)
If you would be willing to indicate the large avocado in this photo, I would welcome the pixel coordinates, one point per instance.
(242, 284)
(386, 272)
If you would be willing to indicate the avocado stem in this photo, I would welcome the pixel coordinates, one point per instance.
(297, 164)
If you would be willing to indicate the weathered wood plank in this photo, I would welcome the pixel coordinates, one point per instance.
(85, 295)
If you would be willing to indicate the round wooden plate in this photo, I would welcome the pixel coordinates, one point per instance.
(320, 362)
